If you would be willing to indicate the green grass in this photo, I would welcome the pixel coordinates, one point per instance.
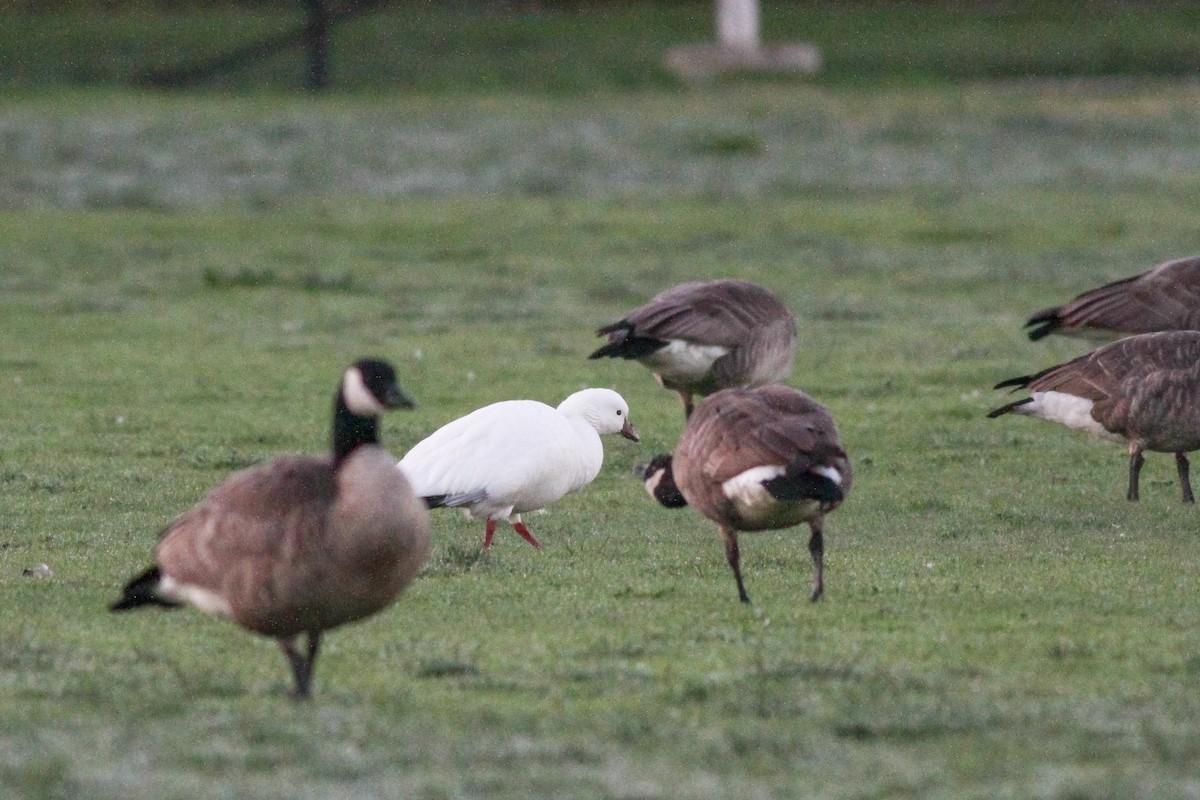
(184, 279)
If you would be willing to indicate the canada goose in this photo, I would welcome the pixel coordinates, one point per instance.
(754, 460)
(508, 458)
(700, 337)
(1143, 391)
(300, 545)
(1165, 298)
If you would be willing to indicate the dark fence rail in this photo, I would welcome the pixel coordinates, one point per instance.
(313, 36)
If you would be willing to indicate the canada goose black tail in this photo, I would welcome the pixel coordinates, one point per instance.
(624, 343)
(804, 485)
(141, 591)
(1015, 383)
(1044, 323)
(1004, 409)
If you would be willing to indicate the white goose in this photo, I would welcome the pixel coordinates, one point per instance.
(508, 458)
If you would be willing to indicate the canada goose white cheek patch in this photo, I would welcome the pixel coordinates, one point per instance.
(651, 483)
(1066, 409)
(358, 397)
(831, 473)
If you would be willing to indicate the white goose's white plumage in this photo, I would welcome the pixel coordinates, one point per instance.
(516, 456)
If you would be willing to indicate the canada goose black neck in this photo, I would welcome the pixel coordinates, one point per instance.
(351, 431)
(368, 389)
(659, 480)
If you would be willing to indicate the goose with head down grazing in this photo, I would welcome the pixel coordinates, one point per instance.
(698, 338)
(1142, 391)
(1165, 298)
(300, 545)
(754, 460)
(516, 456)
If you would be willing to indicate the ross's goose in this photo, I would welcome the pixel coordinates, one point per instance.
(301, 544)
(754, 460)
(698, 338)
(508, 458)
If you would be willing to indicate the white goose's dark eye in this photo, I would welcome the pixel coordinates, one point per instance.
(619, 412)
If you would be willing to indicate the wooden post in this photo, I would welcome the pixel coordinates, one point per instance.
(739, 48)
(318, 44)
(738, 24)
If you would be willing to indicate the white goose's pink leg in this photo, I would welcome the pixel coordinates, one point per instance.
(487, 536)
(523, 531)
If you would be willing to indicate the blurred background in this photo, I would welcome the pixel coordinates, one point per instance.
(94, 95)
(568, 45)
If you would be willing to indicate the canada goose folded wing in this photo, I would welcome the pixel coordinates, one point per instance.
(703, 336)
(764, 356)
(250, 516)
(1164, 298)
(721, 312)
(772, 425)
(276, 549)
(1123, 363)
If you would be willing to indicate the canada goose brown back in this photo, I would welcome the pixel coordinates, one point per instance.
(700, 337)
(300, 545)
(1143, 391)
(1165, 298)
(757, 459)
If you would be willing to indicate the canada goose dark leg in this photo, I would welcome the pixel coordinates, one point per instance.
(1185, 481)
(1135, 468)
(735, 561)
(816, 548)
(302, 664)
(688, 406)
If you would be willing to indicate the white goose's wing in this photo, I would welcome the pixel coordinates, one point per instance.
(518, 453)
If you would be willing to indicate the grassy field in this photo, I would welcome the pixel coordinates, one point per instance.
(184, 278)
